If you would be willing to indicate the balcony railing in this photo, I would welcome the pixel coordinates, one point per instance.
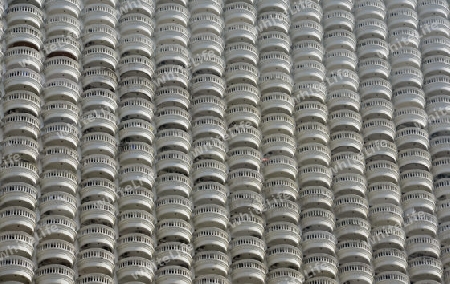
(63, 203)
(135, 268)
(206, 22)
(16, 57)
(172, 33)
(16, 218)
(55, 252)
(240, 11)
(95, 260)
(20, 242)
(172, 206)
(212, 263)
(135, 245)
(248, 269)
(65, 228)
(209, 193)
(284, 256)
(168, 274)
(96, 236)
(386, 214)
(317, 220)
(53, 274)
(175, 230)
(274, 41)
(98, 212)
(21, 33)
(328, 265)
(137, 221)
(15, 268)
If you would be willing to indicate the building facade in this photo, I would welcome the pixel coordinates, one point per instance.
(225, 141)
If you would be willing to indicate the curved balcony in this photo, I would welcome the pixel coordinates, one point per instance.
(205, 22)
(306, 30)
(387, 237)
(59, 203)
(23, 56)
(434, 7)
(317, 219)
(280, 166)
(175, 230)
(172, 96)
(245, 179)
(423, 245)
(246, 247)
(209, 63)
(342, 79)
(316, 196)
(437, 126)
(135, 65)
(246, 224)
(308, 70)
(435, 45)
(135, 268)
(425, 268)
(437, 104)
(406, 76)
(214, 6)
(15, 268)
(284, 256)
(386, 214)
(346, 141)
(62, 24)
(21, 101)
(133, 174)
(245, 200)
(136, 108)
(242, 94)
(313, 153)
(390, 259)
(19, 242)
(279, 275)
(168, 274)
(340, 120)
(336, 99)
(176, 253)
(206, 42)
(60, 111)
(135, 245)
(274, 41)
(21, 124)
(244, 157)
(211, 263)
(252, 271)
(338, 18)
(277, 102)
(100, 34)
(98, 165)
(439, 146)
(349, 183)
(241, 73)
(350, 205)
(96, 236)
(393, 277)
(54, 274)
(375, 88)
(273, 21)
(98, 143)
(207, 126)
(328, 265)
(97, 189)
(274, 123)
(99, 14)
(371, 27)
(95, 261)
(99, 77)
(58, 180)
(300, 11)
(239, 12)
(275, 61)
(207, 148)
(212, 239)
(61, 89)
(339, 39)
(96, 55)
(172, 33)
(57, 227)
(373, 47)
(248, 114)
(402, 17)
(354, 251)
(172, 13)
(210, 215)
(244, 136)
(379, 129)
(370, 9)
(173, 184)
(24, 13)
(18, 194)
(436, 84)
(412, 137)
(384, 192)
(173, 161)
(97, 212)
(208, 84)
(55, 252)
(398, 35)
(340, 59)
(241, 31)
(416, 159)
(138, 130)
(440, 167)
(14, 171)
(241, 52)
(352, 228)
(24, 34)
(171, 74)
(281, 144)
(208, 193)
(136, 198)
(24, 79)
(331, 5)
(442, 188)
(136, 86)
(24, 148)
(172, 117)
(54, 45)
(420, 223)
(318, 242)
(209, 170)
(136, 152)
(373, 66)
(134, 44)
(173, 207)
(136, 23)
(312, 175)
(136, 221)
(408, 96)
(410, 116)
(16, 218)
(406, 56)
(356, 272)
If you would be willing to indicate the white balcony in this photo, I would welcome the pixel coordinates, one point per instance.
(328, 265)
(391, 277)
(168, 274)
(135, 268)
(331, 5)
(96, 236)
(209, 193)
(370, 9)
(379, 129)
(208, 126)
(172, 13)
(21, 124)
(205, 22)
(95, 260)
(16, 218)
(136, 221)
(300, 10)
(205, 42)
(285, 274)
(211, 238)
(437, 126)
(277, 102)
(58, 6)
(63, 228)
(55, 274)
(137, 129)
(281, 144)
(60, 111)
(59, 203)
(406, 56)
(244, 136)
(55, 252)
(355, 272)
(425, 268)
(408, 96)
(275, 61)
(340, 120)
(375, 88)
(354, 251)
(407, 76)
(241, 72)
(135, 65)
(173, 184)
(424, 245)
(99, 77)
(435, 45)
(100, 34)
(98, 143)
(373, 67)
(16, 268)
(368, 28)
(306, 29)
(97, 55)
(242, 94)
(390, 259)
(136, 23)
(136, 44)
(340, 59)
(209, 148)
(135, 245)
(241, 52)
(246, 224)
(424, 223)
(284, 256)
(439, 146)
(383, 192)
(337, 99)
(316, 196)
(24, 79)
(412, 137)
(442, 188)
(350, 205)
(244, 157)
(317, 219)
(349, 183)
(440, 167)
(281, 123)
(136, 198)
(171, 74)
(352, 228)
(417, 159)
(136, 86)
(372, 47)
(208, 63)
(20, 56)
(61, 89)
(249, 114)
(213, 263)
(18, 194)
(133, 174)
(245, 200)
(387, 237)
(99, 14)
(136, 152)
(26, 148)
(62, 24)
(346, 141)
(214, 6)
(310, 70)
(14, 171)
(97, 212)
(173, 207)
(247, 247)
(176, 254)
(59, 180)
(172, 117)
(240, 32)
(436, 84)
(171, 33)
(21, 100)
(174, 230)
(136, 108)
(274, 41)
(435, 8)
(97, 189)
(249, 270)
(210, 215)
(19, 242)
(310, 175)
(402, 17)
(342, 78)
(398, 35)
(173, 161)
(340, 38)
(410, 116)
(24, 33)
(207, 84)
(313, 153)
(273, 21)
(280, 166)
(386, 214)
(209, 170)
(172, 96)
(98, 165)
(338, 18)
(239, 12)
(318, 242)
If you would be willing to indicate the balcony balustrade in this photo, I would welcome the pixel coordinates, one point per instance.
(136, 44)
(24, 33)
(440, 25)
(406, 56)
(244, 157)
(55, 273)
(309, 70)
(61, 89)
(345, 120)
(212, 263)
(249, 114)
(246, 224)
(208, 63)
(435, 7)
(390, 259)
(252, 271)
(339, 38)
(355, 271)
(241, 73)
(209, 193)
(274, 123)
(98, 143)
(247, 247)
(207, 126)
(273, 61)
(136, 65)
(278, 144)
(284, 256)
(375, 88)
(387, 237)
(273, 21)
(306, 29)
(136, 152)
(206, 42)
(337, 99)
(342, 78)
(425, 268)
(135, 245)
(210, 215)
(168, 274)
(98, 165)
(176, 253)
(55, 252)
(16, 268)
(20, 242)
(352, 228)
(147, 7)
(383, 192)
(408, 96)
(24, 14)
(346, 141)
(437, 126)
(350, 205)
(130, 175)
(214, 6)
(97, 189)
(172, 96)
(422, 223)
(435, 45)
(440, 167)
(338, 18)
(59, 203)
(317, 219)
(173, 207)
(136, 221)
(19, 171)
(397, 35)
(99, 77)
(348, 183)
(207, 84)
(386, 214)
(373, 66)
(402, 17)
(424, 245)
(173, 161)
(175, 230)
(321, 279)
(241, 31)
(417, 159)
(354, 251)
(26, 148)
(206, 22)
(72, 7)
(18, 194)
(60, 111)
(410, 116)
(17, 218)
(57, 227)
(328, 265)
(96, 55)
(372, 47)
(95, 261)
(100, 34)
(212, 239)
(21, 101)
(136, 86)
(173, 184)
(62, 24)
(96, 236)
(313, 153)
(173, 117)
(245, 200)
(274, 41)
(24, 79)
(135, 268)
(137, 23)
(97, 212)
(371, 27)
(172, 13)
(277, 102)
(379, 129)
(301, 11)
(442, 188)
(208, 105)
(310, 175)
(16, 57)
(340, 59)
(370, 9)
(171, 33)
(240, 52)
(59, 180)
(242, 94)
(136, 198)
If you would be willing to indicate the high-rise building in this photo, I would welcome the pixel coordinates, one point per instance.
(225, 142)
